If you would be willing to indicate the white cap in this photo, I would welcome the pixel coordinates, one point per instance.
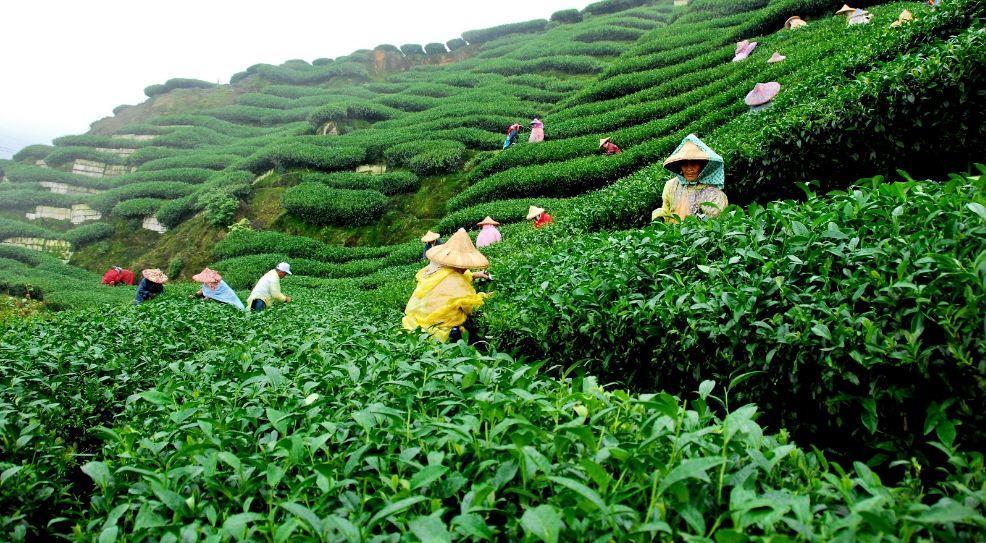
(284, 267)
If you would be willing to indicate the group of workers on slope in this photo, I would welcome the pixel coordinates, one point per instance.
(212, 287)
(513, 131)
(444, 296)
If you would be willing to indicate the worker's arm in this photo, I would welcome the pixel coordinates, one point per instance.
(667, 197)
(275, 290)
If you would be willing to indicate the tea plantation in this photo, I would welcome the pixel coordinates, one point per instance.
(810, 366)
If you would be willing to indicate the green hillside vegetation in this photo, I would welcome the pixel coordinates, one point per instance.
(807, 367)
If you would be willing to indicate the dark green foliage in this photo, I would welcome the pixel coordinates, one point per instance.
(137, 208)
(387, 48)
(351, 110)
(61, 156)
(409, 102)
(609, 33)
(567, 16)
(856, 304)
(92, 140)
(394, 182)
(177, 83)
(568, 64)
(220, 207)
(26, 199)
(24, 174)
(106, 201)
(147, 154)
(492, 33)
(313, 75)
(174, 212)
(10, 228)
(318, 204)
(32, 153)
(612, 6)
(435, 48)
(427, 157)
(250, 242)
(412, 49)
(88, 233)
(455, 44)
(282, 156)
(206, 160)
(182, 175)
(322, 61)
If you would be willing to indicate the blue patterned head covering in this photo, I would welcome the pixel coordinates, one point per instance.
(713, 173)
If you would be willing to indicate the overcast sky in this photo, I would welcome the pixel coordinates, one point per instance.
(67, 63)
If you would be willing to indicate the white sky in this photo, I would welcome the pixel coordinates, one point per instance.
(67, 63)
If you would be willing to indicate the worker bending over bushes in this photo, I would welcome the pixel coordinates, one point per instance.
(268, 289)
(444, 296)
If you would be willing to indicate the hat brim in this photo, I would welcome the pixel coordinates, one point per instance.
(533, 213)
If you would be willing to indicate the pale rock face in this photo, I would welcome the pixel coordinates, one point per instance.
(151, 223)
(58, 248)
(77, 214)
(62, 188)
(92, 168)
(372, 168)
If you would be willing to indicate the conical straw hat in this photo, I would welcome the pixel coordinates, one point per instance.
(458, 252)
(776, 57)
(207, 276)
(688, 151)
(488, 220)
(794, 22)
(905, 16)
(845, 10)
(155, 275)
(534, 211)
(762, 93)
(430, 237)
(603, 141)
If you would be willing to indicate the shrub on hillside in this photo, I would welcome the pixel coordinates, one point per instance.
(492, 33)
(31, 153)
(503, 211)
(177, 83)
(204, 160)
(612, 6)
(174, 212)
(455, 44)
(250, 242)
(62, 156)
(412, 49)
(567, 16)
(10, 228)
(106, 201)
(88, 233)
(354, 109)
(219, 206)
(427, 157)
(25, 199)
(322, 61)
(390, 183)
(318, 204)
(283, 156)
(137, 208)
(435, 48)
(409, 102)
(847, 304)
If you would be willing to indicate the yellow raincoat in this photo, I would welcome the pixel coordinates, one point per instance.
(441, 301)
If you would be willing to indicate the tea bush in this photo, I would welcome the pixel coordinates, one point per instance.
(848, 304)
(209, 161)
(427, 157)
(106, 201)
(23, 199)
(177, 83)
(10, 228)
(455, 44)
(504, 211)
(61, 156)
(248, 242)
(410, 49)
(390, 183)
(612, 6)
(492, 33)
(318, 204)
(32, 152)
(567, 16)
(88, 233)
(435, 48)
(136, 208)
(283, 156)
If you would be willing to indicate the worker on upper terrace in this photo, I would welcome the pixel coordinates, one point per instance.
(444, 296)
(489, 233)
(537, 131)
(696, 188)
(430, 239)
(512, 132)
(117, 276)
(607, 145)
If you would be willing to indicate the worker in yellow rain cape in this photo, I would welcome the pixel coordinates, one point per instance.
(444, 296)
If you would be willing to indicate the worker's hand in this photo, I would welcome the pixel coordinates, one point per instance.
(288, 300)
(481, 275)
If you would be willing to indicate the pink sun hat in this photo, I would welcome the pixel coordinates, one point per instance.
(743, 49)
(209, 277)
(762, 93)
(776, 57)
(155, 275)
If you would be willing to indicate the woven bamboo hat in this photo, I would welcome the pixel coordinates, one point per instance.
(776, 57)
(688, 151)
(488, 220)
(155, 275)
(207, 276)
(905, 17)
(534, 211)
(458, 252)
(603, 141)
(845, 10)
(430, 237)
(794, 22)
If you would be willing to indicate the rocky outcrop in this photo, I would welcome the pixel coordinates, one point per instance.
(92, 168)
(151, 223)
(63, 188)
(372, 168)
(58, 248)
(77, 214)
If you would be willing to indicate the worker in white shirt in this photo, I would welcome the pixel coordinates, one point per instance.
(268, 288)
